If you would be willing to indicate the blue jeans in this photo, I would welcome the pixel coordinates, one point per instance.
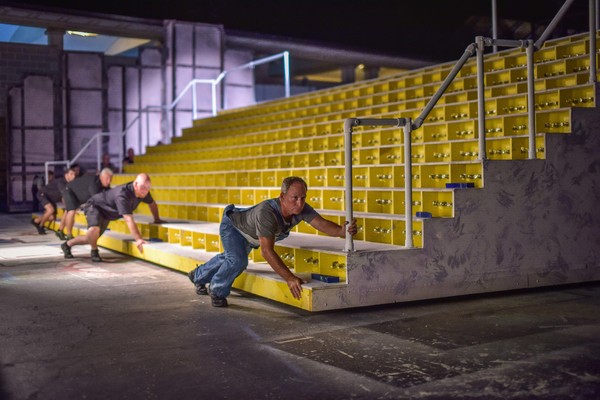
(221, 270)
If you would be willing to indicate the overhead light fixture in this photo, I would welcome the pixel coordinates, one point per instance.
(84, 34)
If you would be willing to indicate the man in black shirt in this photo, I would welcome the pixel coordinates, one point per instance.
(78, 192)
(49, 196)
(111, 205)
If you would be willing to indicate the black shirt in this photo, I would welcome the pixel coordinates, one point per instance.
(118, 201)
(85, 187)
(53, 190)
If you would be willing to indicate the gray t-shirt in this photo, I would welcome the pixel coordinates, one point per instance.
(118, 201)
(265, 219)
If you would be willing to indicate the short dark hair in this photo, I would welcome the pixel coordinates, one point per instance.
(289, 181)
(70, 169)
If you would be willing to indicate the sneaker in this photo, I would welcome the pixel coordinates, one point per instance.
(61, 235)
(95, 256)
(201, 289)
(66, 250)
(40, 229)
(218, 301)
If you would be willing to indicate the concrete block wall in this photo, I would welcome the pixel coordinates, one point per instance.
(20, 60)
(17, 61)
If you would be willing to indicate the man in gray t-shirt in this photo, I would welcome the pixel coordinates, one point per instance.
(264, 220)
(261, 226)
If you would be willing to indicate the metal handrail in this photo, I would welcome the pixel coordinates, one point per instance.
(252, 64)
(215, 82)
(349, 123)
(68, 163)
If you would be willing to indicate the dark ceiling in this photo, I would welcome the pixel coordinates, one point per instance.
(436, 30)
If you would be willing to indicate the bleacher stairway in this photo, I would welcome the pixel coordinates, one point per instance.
(526, 223)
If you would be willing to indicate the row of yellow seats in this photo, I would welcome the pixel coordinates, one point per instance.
(373, 176)
(580, 96)
(554, 82)
(436, 153)
(388, 230)
(383, 101)
(438, 203)
(390, 176)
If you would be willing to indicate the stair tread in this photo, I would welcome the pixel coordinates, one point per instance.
(256, 268)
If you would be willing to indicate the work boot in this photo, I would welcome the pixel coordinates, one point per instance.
(95, 256)
(218, 301)
(200, 288)
(66, 250)
(61, 235)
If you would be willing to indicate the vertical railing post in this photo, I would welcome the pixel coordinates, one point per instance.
(494, 24)
(194, 102)
(121, 156)
(408, 241)
(286, 72)
(479, 42)
(531, 99)
(98, 150)
(147, 127)
(348, 123)
(214, 98)
(593, 27)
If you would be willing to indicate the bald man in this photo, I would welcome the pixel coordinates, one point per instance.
(111, 205)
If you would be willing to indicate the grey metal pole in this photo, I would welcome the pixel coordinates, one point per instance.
(140, 133)
(494, 24)
(214, 98)
(194, 102)
(593, 27)
(98, 152)
(349, 245)
(147, 127)
(531, 99)
(469, 51)
(563, 10)
(286, 71)
(120, 161)
(408, 241)
(479, 42)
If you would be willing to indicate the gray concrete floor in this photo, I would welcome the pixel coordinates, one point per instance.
(126, 329)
